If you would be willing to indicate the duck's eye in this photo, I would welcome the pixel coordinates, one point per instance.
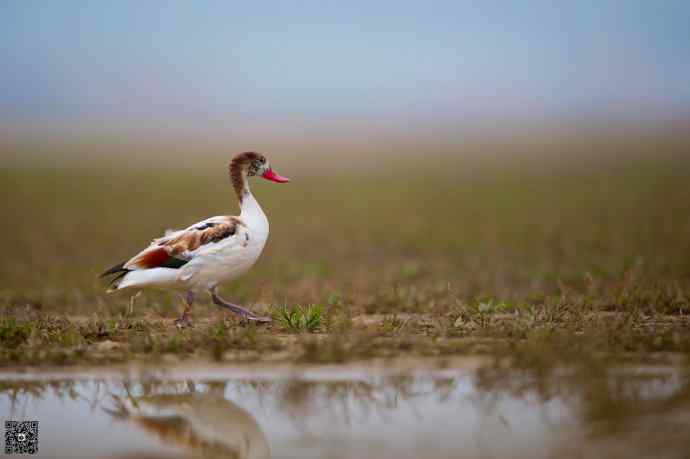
(255, 167)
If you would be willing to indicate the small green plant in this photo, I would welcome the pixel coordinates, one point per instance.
(174, 344)
(391, 324)
(337, 318)
(491, 305)
(13, 333)
(299, 318)
(111, 327)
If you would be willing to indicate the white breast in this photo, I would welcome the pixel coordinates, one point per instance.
(231, 257)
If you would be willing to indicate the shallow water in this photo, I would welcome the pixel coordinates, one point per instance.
(352, 413)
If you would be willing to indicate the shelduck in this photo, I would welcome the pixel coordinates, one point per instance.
(207, 253)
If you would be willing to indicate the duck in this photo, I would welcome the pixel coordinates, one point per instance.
(208, 253)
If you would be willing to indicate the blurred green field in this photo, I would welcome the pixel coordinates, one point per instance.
(604, 223)
(512, 227)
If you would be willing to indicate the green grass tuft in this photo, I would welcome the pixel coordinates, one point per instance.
(299, 318)
(13, 333)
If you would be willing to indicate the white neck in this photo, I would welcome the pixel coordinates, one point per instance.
(251, 213)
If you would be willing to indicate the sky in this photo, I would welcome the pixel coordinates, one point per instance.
(192, 63)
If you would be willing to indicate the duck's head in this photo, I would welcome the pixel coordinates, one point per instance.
(250, 164)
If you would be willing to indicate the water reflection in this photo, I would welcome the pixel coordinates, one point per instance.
(496, 412)
(204, 423)
(608, 400)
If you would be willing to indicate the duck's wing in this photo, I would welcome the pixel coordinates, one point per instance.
(177, 248)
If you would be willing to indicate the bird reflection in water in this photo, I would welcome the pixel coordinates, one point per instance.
(205, 425)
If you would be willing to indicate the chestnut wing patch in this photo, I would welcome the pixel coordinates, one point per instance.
(156, 258)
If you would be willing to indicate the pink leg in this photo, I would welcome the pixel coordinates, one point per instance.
(239, 310)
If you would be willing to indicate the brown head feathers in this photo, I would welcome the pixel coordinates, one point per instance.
(242, 166)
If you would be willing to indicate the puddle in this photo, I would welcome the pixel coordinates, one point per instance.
(352, 413)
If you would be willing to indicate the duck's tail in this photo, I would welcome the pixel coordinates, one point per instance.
(119, 272)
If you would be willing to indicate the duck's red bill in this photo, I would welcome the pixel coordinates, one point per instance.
(272, 176)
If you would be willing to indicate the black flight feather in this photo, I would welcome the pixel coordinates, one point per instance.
(118, 268)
